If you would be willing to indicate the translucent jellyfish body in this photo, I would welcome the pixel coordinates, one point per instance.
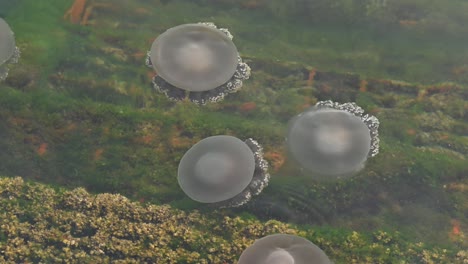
(9, 53)
(332, 139)
(283, 249)
(223, 170)
(196, 60)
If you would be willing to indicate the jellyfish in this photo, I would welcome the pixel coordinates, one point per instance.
(196, 60)
(9, 53)
(223, 171)
(333, 140)
(283, 249)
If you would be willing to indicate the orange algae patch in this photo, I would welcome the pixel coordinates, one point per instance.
(76, 11)
(142, 11)
(106, 131)
(146, 139)
(310, 78)
(275, 158)
(456, 186)
(139, 55)
(147, 134)
(455, 227)
(456, 232)
(252, 4)
(308, 102)
(42, 149)
(64, 131)
(411, 132)
(150, 74)
(443, 137)
(247, 107)
(80, 12)
(442, 88)
(408, 22)
(98, 154)
(179, 141)
(363, 86)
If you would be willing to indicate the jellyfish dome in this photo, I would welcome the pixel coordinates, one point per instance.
(332, 139)
(9, 53)
(223, 170)
(283, 249)
(196, 60)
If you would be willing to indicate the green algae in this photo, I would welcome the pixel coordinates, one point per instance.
(85, 228)
(89, 100)
(40, 37)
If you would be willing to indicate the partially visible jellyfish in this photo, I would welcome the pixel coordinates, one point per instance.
(333, 140)
(223, 171)
(196, 60)
(9, 53)
(283, 249)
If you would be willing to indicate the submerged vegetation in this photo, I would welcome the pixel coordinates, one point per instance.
(46, 225)
(79, 111)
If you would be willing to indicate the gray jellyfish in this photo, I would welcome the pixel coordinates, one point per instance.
(223, 171)
(196, 60)
(9, 53)
(332, 139)
(283, 249)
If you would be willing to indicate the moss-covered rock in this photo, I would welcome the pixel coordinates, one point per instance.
(39, 224)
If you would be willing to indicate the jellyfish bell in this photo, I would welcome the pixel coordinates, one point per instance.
(333, 140)
(198, 60)
(223, 170)
(216, 169)
(9, 53)
(194, 57)
(7, 42)
(280, 256)
(283, 249)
